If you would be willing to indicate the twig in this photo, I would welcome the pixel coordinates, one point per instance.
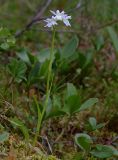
(40, 12)
(60, 135)
(107, 24)
(63, 130)
(29, 5)
(78, 6)
(50, 148)
(37, 17)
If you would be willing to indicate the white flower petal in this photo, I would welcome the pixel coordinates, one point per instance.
(62, 16)
(53, 12)
(50, 22)
(57, 12)
(66, 22)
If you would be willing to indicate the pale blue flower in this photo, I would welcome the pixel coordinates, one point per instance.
(58, 16)
(61, 16)
(50, 22)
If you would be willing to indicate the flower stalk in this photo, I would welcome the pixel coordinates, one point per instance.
(48, 90)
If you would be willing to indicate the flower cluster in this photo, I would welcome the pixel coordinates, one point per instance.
(58, 16)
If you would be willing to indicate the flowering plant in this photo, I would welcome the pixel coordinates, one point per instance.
(51, 22)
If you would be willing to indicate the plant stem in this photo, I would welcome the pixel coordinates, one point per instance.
(8, 85)
(48, 90)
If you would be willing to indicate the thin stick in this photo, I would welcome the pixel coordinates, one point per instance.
(37, 17)
(50, 148)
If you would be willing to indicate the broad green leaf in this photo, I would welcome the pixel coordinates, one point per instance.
(71, 90)
(102, 151)
(32, 58)
(33, 76)
(56, 110)
(89, 58)
(72, 104)
(87, 104)
(100, 125)
(43, 70)
(98, 42)
(72, 99)
(86, 61)
(64, 66)
(84, 141)
(4, 136)
(115, 151)
(45, 55)
(114, 37)
(17, 69)
(23, 55)
(92, 122)
(18, 123)
(70, 48)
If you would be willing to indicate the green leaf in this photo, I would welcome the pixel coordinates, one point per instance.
(98, 42)
(56, 110)
(87, 104)
(86, 61)
(4, 136)
(70, 48)
(84, 141)
(72, 104)
(102, 151)
(17, 69)
(100, 125)
(43, 70)
(18, 123)
(115, 151)
(71, 90)
(33, 76)
(4, 46)
(71, 99)
(89, 58)
(44, 55)
(92, 122)
(114, 37)
(23, 55)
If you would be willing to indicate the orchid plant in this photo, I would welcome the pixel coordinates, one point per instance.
(50, 22)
